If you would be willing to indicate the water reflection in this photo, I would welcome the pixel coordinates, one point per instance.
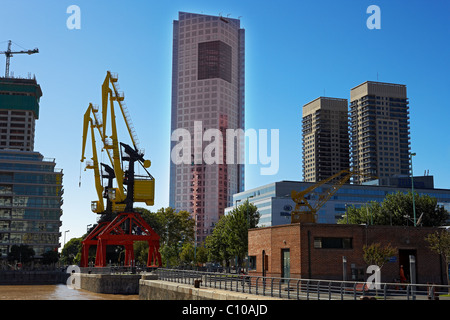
(56, 292)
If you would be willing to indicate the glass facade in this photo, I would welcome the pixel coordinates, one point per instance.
(214, 60)
(274, 201)
(30, 202)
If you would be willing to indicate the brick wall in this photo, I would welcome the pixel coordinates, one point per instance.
(306, 261)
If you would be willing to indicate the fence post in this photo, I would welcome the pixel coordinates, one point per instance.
(279, 287)
(271, 288)
(329, 290)
(288, 288)
(318, 290)
(307, 290)
(256, 286)
(226, 278)
(412, 275)
(264, 285)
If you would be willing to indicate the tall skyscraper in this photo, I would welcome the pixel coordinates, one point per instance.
(208, 90)
(30, 186)
(380, 137)
(325, 138)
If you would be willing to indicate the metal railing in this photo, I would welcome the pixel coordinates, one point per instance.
(305, 289)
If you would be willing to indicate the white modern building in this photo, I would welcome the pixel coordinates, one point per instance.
(274, 201)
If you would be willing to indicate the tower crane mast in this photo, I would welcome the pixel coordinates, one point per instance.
(8, 53)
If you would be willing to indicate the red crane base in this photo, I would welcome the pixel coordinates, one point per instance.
(125, 229)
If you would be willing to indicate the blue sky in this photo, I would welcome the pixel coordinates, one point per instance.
(296, 51)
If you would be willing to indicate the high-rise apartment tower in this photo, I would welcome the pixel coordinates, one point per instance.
(325, 138)
(207, 90)
(380, 140)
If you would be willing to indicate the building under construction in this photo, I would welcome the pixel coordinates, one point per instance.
(30, 185)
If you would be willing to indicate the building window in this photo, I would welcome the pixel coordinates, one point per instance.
(214, 60)
(333, 243)
(252, 262)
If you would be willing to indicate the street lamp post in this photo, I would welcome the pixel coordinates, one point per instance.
(65, 237)
(412, 187)
(248, 228)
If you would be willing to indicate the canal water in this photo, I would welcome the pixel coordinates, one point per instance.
(56, 292)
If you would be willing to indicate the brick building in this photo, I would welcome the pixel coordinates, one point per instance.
(316, 251)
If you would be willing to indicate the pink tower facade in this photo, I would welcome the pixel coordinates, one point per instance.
(208, 89)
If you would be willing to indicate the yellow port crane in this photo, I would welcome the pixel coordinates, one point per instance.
(130, 188)
(304, 211)
(96, 206)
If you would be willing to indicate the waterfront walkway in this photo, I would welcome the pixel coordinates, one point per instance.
(305, 289)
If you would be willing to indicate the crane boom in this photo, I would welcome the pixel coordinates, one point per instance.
(8, 53)
(114, 95)
(306, 212)
(96, 206)
(111, 143)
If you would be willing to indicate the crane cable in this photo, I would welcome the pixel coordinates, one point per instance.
(79, 181)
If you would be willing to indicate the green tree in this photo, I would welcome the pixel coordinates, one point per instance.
(50, 257)
(201, 254)
(187, 253)
(378, 254)
(439, 242)
(216, 243)
(71, 250)
(230, 235)
(397, 209)
(140, 252)
(237, 235)
(21, 253)
(191, 255)
(174, 228)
